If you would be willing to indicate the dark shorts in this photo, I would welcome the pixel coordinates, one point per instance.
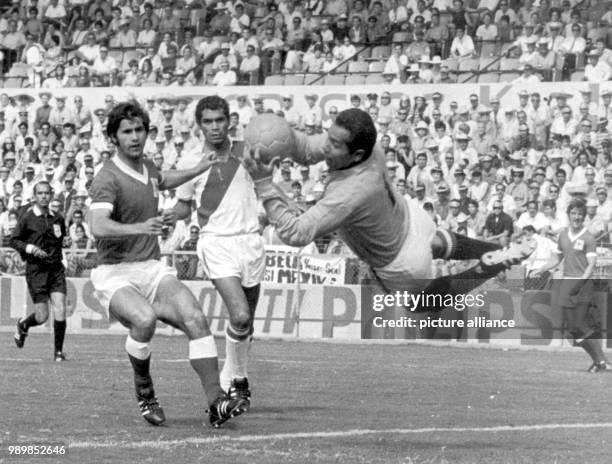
(584, 295)
(44, 280)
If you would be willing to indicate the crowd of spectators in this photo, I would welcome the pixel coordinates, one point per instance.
(80, 43)
(482, 170)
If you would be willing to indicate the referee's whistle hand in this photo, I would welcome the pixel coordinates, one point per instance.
(39, 253)
(153, 226)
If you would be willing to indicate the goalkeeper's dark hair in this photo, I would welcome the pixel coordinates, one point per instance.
(128, 110)
(211, 102)
(362, 130)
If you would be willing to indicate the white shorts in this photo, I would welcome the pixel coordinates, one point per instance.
(143, 276)
(412, 269)
(241, 256)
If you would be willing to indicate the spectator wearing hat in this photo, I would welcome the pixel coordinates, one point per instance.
(594, 222)
(442, 202)
(225, 76)
(596, 70)
(604, 204)
(312, 111)
(564, 124)
(544, 58)
(225, 56)
(463, 151)
(239, 19)
(124, 37)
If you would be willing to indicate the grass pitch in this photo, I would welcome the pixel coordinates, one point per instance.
(312, 403)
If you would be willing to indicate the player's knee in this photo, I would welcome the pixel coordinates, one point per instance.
(241, 320)
(196, 325)
(144, 321)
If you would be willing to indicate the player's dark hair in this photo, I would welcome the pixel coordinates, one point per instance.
(577, 203)
(212, 102)
(362, 130)
(128, 110)
(42, 182)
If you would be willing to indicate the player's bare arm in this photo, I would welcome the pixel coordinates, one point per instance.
(102, 226)
(174, 178)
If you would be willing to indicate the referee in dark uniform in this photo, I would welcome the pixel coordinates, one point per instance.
(38, 237)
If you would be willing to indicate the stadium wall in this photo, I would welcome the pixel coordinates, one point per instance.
(333, 312)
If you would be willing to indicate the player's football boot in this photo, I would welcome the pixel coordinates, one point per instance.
(509, 256)
(151, 410)
(224, 408)
(239, 388)
(20, 334)
(60, 356)
(598, 368)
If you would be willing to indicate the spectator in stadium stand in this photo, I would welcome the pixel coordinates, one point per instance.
(147, 37)
(596, 70)
(418, 48)
(357, 32)
(573, 45)
(462, 45)
(527, 75)
(498, 226)
(375, 31)
(487, 30)
(544, 59)
(125, 37)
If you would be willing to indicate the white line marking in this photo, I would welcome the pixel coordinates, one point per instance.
(164, 444)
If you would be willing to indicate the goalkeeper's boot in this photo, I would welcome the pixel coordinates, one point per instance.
(224, 408)
(509, 256)
(60, 356)
(239, 388)
(149, 406)
(20, 334)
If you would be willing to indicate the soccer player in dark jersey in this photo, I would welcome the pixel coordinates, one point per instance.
(576, 249)
(230, 247)
(130, 279)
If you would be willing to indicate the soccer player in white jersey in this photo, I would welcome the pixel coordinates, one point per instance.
(230, 246)
(130, 279)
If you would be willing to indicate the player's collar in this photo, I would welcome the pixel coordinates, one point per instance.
(573, 237)
(143, 178)
(38, 212)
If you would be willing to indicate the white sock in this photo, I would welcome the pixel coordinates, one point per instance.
(236, 360)
(138, 350)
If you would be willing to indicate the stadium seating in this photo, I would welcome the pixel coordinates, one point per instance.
(358, 66)
(294, 79)
(355, 79)
(275, 79)
(334, 79)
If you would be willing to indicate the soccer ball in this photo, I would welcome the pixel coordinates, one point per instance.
(272, 135)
